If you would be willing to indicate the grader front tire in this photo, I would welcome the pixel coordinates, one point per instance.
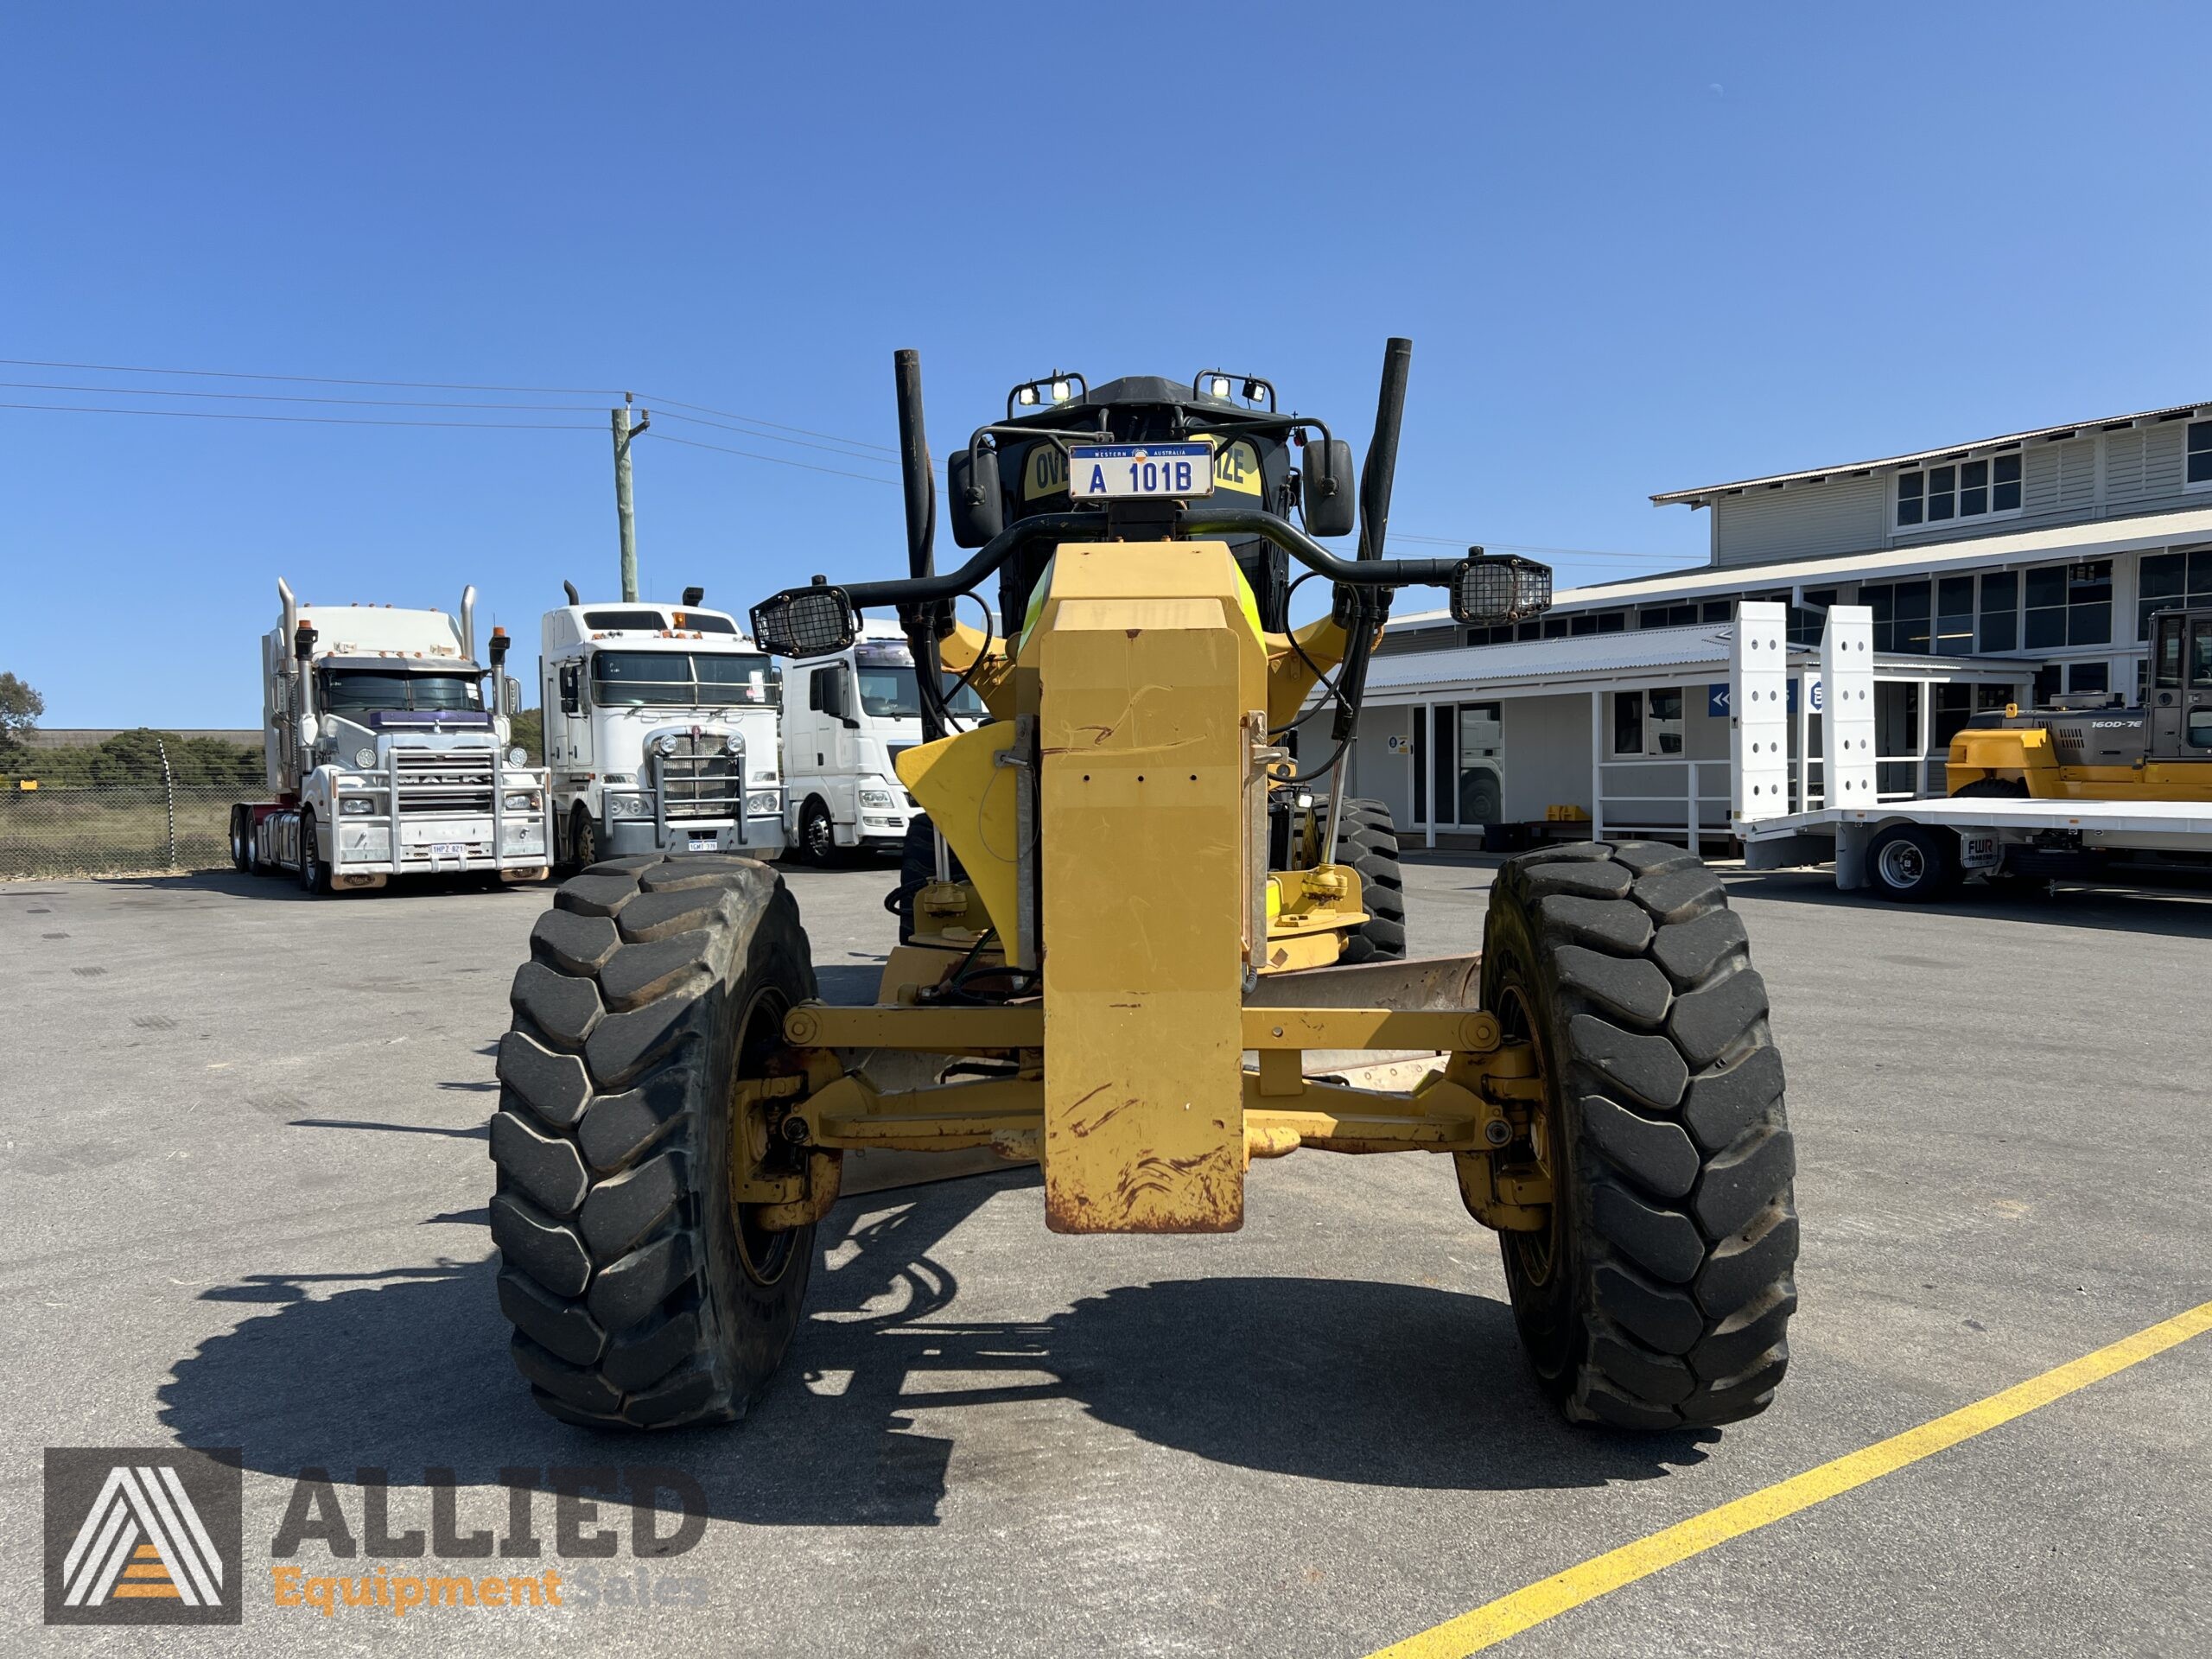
(640, 1296)
(1660, 1293)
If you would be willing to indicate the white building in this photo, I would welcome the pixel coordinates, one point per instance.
(2005, 569)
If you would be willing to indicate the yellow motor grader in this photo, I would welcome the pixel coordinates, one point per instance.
(1149, 940)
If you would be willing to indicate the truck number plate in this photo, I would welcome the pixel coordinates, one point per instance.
(703, 843)
(445, 849)
(1977, 849)
(1122, 470)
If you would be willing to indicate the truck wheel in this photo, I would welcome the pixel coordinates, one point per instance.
(1368, 843)
(242, 839)
(314, 874)
(641, 1296)
(1658, 1291)
(818, 834)
(584, 840)
(1913, 862)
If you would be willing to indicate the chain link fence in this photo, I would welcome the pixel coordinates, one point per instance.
(118, 829)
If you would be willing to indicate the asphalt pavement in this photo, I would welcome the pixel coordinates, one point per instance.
(244, 1185)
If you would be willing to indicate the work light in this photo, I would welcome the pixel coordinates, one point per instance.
(1499, 587)
(812, 621)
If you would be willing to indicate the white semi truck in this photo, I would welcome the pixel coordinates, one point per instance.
(660, 731)
(857, 712)
(384, 755)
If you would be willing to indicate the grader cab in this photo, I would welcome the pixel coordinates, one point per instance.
(1143, 951)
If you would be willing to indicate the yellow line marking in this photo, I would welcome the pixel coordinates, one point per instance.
(1509, 1615)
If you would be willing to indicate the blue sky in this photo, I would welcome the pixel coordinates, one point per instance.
(1636, 248)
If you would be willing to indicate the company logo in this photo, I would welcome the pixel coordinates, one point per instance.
(142, 1536)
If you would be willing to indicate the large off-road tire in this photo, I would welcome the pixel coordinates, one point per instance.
(1659, 1293)
(314, 874)
(641, 1296)
(1368, 841)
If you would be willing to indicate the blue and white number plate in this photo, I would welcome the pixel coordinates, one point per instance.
(1118, 471)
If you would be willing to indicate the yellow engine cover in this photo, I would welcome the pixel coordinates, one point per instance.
(1147, 666)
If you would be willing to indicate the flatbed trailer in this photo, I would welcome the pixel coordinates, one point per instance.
(1914, 848)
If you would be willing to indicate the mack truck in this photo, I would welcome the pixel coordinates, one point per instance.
(660, 732)
(860, 709)
(384, 754)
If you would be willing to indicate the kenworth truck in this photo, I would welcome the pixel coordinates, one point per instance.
(383, 756)
(851, 716)
(660, 732)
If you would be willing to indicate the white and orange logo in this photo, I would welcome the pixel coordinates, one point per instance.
(141, 1536)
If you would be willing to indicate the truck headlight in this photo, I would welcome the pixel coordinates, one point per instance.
(763, 804)
(877, 797)
(626, 806)
(523, 801)
(365, 758)
(356, 806)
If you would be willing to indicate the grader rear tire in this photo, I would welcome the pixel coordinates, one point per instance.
(1660, 1293)
(640, 1296)
(1368, 843)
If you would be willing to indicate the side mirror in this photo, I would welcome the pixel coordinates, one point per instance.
(841, 697)
(971, 478)
(570, 701)
(1329, 488)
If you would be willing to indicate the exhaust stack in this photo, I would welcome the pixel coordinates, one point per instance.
(468, 623)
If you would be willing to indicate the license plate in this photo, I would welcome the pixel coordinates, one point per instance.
(445, 849)
(1977, 851)
(703, 843)
(1122, 471)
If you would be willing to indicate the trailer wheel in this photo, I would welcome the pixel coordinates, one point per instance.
(242, 839)
(1913, 862)
(1659, 1290)
(1369, 846)
(314, 874)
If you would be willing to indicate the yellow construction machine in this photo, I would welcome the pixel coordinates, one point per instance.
(1150, 941)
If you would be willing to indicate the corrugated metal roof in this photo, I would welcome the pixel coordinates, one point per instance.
(2093, 540)
(1704, 492)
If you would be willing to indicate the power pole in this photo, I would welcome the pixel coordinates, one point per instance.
(625, 511)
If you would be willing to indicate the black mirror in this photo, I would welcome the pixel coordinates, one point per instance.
(569, 698)
(971, 478)
(1328, 489)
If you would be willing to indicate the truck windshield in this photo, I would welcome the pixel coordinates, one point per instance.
(360, 691)
(688, 679)
(895, 694)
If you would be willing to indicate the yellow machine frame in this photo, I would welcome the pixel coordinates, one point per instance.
(2025, 754)
(1132, 1068)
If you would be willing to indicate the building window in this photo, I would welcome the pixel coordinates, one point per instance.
(1954, 616)
(2200, 455)
(1598, 622)
(1808, 621)
(1667, 616)
(2089, 676)
(1720, 610)
(1986, 487)
(2172, 581)
(1900, 615)
(2000, 610)
(1555, 627)
(1648, 724)
(1500, 635)
(2069, 605)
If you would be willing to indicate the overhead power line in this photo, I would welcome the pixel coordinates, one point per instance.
(292, 398)
(660, 405)
(315, 380)
(320, 420)
(857, 443)
(780, 460)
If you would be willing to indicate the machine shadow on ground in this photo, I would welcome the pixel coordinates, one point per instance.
(405, 1370)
